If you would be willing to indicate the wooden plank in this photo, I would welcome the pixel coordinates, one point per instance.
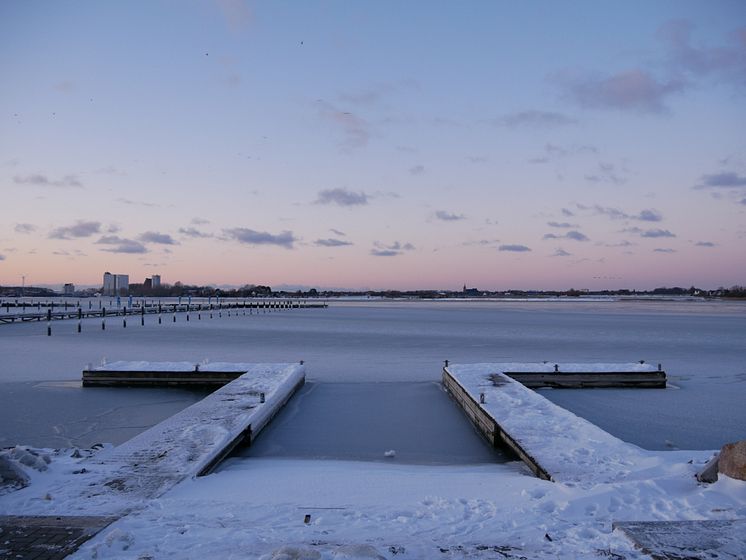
(690, 540)
(191, 378)
(489, 427)
(590, 379)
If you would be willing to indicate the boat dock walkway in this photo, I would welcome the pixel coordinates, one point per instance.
(554, 443)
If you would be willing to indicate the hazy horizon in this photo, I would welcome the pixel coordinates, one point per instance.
(383, 145)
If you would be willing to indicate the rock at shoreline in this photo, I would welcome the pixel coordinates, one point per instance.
(732, 461)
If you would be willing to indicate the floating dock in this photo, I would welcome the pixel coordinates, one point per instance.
(581, 376)
(554, 443)
(163, 374)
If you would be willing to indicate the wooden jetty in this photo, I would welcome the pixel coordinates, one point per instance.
(580, 376)
(162, 374)
(194, 441)
(63, 311)
(554, 443)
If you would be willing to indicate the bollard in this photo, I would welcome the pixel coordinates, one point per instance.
(80, 316)
(481, 398)
(142, 316)
(49, 322)
(556, 368)
(124, 317)
(445, 362)
(103, 319)
(261, 397)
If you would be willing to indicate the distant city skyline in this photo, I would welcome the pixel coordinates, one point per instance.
(380, 145)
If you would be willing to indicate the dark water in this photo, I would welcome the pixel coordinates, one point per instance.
(361, 421)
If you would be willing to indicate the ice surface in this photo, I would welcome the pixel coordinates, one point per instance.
(700, 344)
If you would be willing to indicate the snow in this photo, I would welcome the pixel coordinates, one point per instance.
(549, 367)
(173, 366)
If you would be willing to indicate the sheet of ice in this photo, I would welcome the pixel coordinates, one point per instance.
(569, 448)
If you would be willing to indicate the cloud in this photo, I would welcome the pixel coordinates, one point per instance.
(194, 232)
(561, 253)
(634, 90)
(561, 225)
(2, 257)
(534, 119)
(705, 244)
(664, 250)
(449, 216)
(79, 229)
(481, 243)
(36, 179)
(199, 221)
(337, 232)
(342, 197)
(155, 237)
(607, 173)
(236, 13)
(514, 248)
(567, 213)
(331, 243)
(417, 170)
(121, 245)
(24, 228)
(726, 180)
(646, 215)
(553, 152)
(572, 234)
(355, 130)
(727, 63)
(252, 237)
(130, 202)
(393, 250)
(654, 233)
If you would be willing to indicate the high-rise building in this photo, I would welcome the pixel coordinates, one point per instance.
(156, 278)
(68, 290)
(116, 284)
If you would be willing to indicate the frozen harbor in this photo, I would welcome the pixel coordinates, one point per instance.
(701, 345)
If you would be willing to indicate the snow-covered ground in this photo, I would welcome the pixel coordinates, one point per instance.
(256, 509)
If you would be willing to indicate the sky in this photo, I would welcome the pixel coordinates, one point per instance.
(379, 145)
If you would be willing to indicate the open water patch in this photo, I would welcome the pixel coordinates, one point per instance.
(402, 422)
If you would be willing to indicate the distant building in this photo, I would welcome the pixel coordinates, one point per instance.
(156, 281)
(116, 284)
(68, 290)
(148, 284)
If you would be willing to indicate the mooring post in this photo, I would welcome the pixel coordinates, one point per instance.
(261, 397)
(142, 316)
(80, 319)
(49, 322)
(174, 317)
(556, 368)
(481, 398)
(103, 319)
(445, 362)
(124, 317)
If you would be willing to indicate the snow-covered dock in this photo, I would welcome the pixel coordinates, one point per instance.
(578, 376)
(163, 374)
(555, 444)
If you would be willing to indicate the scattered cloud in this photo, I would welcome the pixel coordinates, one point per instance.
(606, 173)
(534, 119)
(355, 130)
(561, 253)
(64, 86)
(567, 213)
(24, 228)
(2, 257)
(514, 248)
(417, 170)
(481, 243)
(572, 234)
(477, 159)
(726, 63)
(337, 232)
(39, 180)
(121, 245)
(659, 250)
(252, 237)
(236, 13)
(726, 180)
(705, 244)
(331, 243)
(194, 233)
(130, 202)
(159, 238)
(393, 250)
(342, 197)
(199, 221)
(561, 225)
(654, 233)
(449, 216)
(633, 90)
(79, 229)
(554, 152)
(646, 215)
(649, 215)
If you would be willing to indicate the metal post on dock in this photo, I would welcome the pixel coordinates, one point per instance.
(142, 316)
(80, 319)
(49, 322)
(174, 316)
(124, 317)
(103, 319)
